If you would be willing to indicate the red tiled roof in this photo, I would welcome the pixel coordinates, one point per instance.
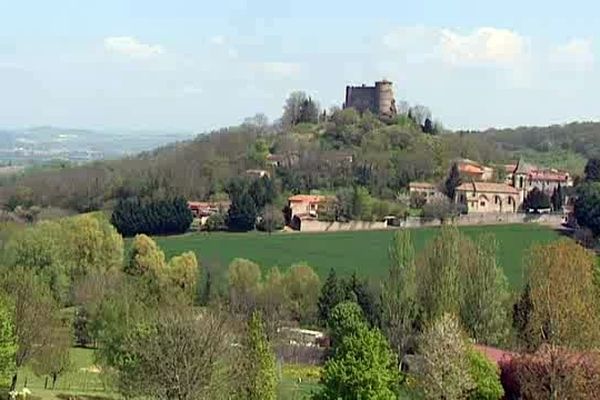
(487, 187)
(309, 198)
(470, 169)
(549, 175)
(493, 354)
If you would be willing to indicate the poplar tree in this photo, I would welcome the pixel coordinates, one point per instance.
(261, 376)
(399, 294)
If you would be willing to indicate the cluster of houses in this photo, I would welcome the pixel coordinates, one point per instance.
(485, 189)
(481, 192)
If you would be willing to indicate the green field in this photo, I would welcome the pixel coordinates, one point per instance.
(363, 252)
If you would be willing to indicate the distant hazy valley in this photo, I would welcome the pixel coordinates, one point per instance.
(40, 144)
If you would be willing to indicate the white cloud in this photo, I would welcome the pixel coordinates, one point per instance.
(131, 47)
(482, 46)
(281, 69)
(576, 53)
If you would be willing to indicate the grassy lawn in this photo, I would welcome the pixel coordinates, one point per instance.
(84, 381)
(364, 252)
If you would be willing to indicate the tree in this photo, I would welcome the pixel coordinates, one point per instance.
(484, 309)
(259, 152)
(552, 372)
(309, 113)
(486, 377)
(271, 219)
(91, 244)
(274, 301)
(587, 206)
(592, 170)
(358, 290)
(39, 249)
(439, 208)
(242, 211)
(132, 216)
(34, 315)
(331, 295)
(557, 198)
(302, 287)
(292, 110)
(244, 279)
(345, 318)
(563, 294)
(55, 360)
(399, 295)
(439, 280)
(216, 222)
(182, 274)
(145, 258)
(445, 370)
(8, 344)
(522, 314)
(179, 354)
(536, 200)
(452, 182)
(261, 379)
(362, 366)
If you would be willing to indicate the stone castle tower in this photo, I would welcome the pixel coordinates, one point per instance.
(378, 99)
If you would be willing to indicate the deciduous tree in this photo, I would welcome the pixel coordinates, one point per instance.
(484, 307)
(8, 343)
(445, 370)
(244, 278)
(564, 298)
(399, 294)
(261, 377)
(302, 288)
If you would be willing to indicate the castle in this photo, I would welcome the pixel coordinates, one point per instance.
(378, 99)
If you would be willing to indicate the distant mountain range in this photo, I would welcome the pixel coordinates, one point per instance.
(39, 144)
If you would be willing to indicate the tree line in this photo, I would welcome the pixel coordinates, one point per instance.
(413, 334)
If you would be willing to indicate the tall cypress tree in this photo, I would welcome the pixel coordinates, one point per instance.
(452, 182)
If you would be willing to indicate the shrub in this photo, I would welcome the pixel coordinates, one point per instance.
(439, 208)
(486, 376)
(551, 372)
(216, 222)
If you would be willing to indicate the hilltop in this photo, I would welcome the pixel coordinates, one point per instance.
(315, 151)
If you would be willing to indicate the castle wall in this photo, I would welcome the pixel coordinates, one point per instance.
(378, 99)
(362, 98)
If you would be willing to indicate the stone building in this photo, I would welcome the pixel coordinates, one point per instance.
(488, 197)
(378, 99)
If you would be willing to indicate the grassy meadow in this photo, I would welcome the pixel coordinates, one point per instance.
(363, 252)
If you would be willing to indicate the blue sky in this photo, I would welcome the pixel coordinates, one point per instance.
(196, 65)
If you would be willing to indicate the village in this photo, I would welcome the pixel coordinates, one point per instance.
(486, 195)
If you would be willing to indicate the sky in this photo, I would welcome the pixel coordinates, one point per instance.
(199, 65)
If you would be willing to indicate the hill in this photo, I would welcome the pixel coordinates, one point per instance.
(324, 153)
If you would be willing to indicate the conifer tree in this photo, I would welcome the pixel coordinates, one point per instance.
(452, 182)
(331, 295)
